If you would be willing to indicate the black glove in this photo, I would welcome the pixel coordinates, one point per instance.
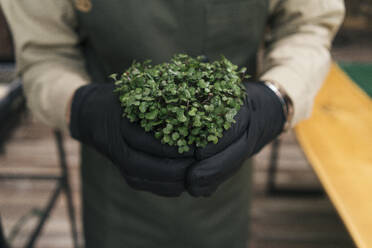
(146, 164)
(265, 116)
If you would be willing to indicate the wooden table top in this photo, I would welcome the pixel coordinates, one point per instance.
(337, 141)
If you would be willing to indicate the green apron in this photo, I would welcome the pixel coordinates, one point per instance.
(116, 32)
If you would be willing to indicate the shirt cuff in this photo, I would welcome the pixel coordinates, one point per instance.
(296, 90)
(49, 94)
(62, 93)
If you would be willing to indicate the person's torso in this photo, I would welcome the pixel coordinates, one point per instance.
(116, 32)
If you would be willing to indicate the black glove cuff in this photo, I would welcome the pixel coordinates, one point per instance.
(285, 100)
(276, 108)
(267, 112)
(78, 101)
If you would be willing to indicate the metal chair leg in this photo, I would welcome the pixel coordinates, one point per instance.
(45, 214)
(71, 214)
(2, 237)
(66, 187)
(273, 189)
(273, 166)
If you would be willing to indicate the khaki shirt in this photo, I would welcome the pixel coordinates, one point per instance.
(52, 66)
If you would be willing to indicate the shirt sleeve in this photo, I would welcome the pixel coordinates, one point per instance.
(47, 55)
(297, 52)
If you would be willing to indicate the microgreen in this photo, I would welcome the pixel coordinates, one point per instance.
(183, 102)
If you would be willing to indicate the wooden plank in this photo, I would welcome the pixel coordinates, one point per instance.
(337, 140)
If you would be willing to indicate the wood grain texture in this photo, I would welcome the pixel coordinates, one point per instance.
(338, 141)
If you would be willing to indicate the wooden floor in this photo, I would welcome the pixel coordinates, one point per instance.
(277, 221)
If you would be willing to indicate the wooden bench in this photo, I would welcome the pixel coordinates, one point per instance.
(337, 141)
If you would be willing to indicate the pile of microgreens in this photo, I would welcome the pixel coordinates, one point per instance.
(184, 102)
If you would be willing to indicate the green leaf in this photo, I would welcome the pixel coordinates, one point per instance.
(227, 125)
(171, 100)
(175, 135)
(138, 91)
(168, 129)
(166, 139)
(113, 76)
(181, 142)
(183, 149)
(191, 140)
(213, 138)
(197, 122)
(148, 127)
(201, 143)
(151, 115)
(183, 131)
(147, 98)
(192, 112)
(202, 84)
(209, 108)
(143, 107)
(195, 131)
(230, 115)
(155, 123)
(158, 135)
(187, 93)
(181, 116)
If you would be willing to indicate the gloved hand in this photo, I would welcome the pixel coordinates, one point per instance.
(264, 113)
(144, 162)
(96, 120)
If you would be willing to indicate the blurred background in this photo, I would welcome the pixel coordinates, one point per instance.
(290, 208)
